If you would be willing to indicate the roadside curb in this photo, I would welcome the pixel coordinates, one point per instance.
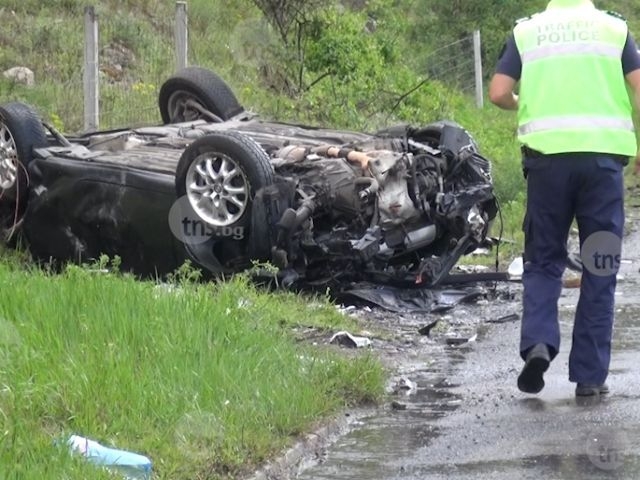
(309, 449)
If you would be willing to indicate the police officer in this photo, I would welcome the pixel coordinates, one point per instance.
(573, 63)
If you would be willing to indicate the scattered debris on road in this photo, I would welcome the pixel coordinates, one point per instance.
(426, 330)
(348, 340)
(512, 317)
(516, 268)
(455, 341)
(404, 386)
(395, 405)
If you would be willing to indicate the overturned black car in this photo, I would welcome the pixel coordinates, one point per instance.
(220, 187)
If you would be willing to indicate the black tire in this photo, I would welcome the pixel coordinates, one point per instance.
(237, 149)
(20, 127)
(202, 86)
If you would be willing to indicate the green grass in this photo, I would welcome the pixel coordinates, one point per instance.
(207, 380)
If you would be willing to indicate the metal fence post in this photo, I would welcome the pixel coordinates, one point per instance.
(91, 70)
(477, 56)
(182, 35)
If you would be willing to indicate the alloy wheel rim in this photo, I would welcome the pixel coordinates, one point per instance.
(217, 188)
(8, 159)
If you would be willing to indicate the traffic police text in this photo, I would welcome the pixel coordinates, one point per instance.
(567, 32)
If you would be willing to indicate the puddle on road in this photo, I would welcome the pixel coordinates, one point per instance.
(604, 464)
(626, 334)
(373, 450)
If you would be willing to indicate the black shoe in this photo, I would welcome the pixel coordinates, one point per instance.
(537, 362)
(590, 389)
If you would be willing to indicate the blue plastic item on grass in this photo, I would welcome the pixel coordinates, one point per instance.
(131, 465)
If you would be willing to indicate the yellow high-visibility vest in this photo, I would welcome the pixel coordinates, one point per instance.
(573, 95)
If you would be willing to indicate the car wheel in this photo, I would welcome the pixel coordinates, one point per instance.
(192, 92)
(21, 131)
(220, 175)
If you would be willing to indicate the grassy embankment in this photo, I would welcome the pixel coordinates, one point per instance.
(206, 380)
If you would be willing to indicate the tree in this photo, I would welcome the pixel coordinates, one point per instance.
(447, 21)
(290, 17)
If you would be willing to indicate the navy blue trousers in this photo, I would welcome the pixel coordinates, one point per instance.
(561, 187)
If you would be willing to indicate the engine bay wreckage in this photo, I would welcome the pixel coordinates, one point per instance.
(221, 187)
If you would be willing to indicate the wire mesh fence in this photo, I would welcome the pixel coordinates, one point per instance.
(93, 76)
(119, 86)
(456, 64)
(52, 80)
(129, 86)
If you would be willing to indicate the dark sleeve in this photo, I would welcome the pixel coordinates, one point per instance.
(510, 62)
(630, 55)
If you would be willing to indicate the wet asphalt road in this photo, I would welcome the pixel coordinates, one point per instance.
(468, 419)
